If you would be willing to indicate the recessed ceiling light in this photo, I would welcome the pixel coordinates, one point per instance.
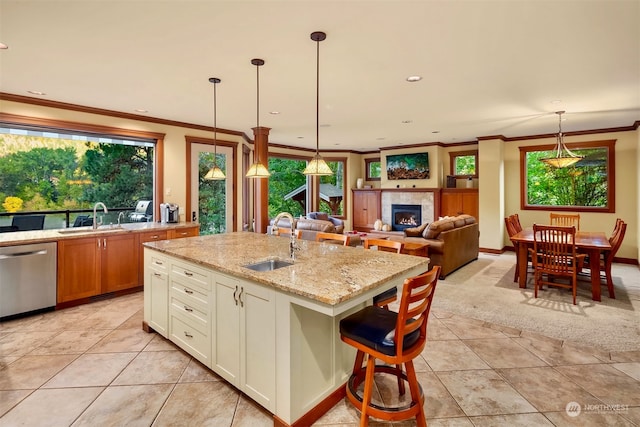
(556, 101)
(326, 125)
(275, 113)
(435, 131)
(3, 46)
(36, 92)
(407, 121)
(300, 137)
(412, 79)
(382, 138)
(141, 110)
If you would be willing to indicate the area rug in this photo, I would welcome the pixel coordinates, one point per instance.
(485, 290)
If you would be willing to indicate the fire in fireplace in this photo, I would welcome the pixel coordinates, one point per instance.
(405, 216)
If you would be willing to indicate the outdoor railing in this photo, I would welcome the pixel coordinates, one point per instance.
(55, 219)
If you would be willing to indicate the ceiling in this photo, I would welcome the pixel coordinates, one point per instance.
(487, 67)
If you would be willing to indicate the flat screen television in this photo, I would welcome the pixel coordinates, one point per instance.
(408, 166)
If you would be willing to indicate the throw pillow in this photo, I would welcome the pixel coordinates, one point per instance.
(415, 231)
(322, 215)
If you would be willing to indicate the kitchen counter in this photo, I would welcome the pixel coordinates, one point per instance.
(274, 335)
(54, 235)
(324, 272)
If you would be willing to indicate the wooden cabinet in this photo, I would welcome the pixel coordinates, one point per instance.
(366, 209)
(244, 342)
(156, 292)
(456, 201)
(183, 232)
(95, 265)
(79, 267)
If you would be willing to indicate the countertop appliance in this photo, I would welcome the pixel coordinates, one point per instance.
(173, 212)
(27, 278)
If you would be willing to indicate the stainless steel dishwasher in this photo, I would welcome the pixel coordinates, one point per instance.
(27, 278)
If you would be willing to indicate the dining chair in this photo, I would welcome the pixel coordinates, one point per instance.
(554, 255)
(565, 220)
(322, 236)
(395, 339)
(512, 224)
(286, 232)
(606, 262)
(391, 295)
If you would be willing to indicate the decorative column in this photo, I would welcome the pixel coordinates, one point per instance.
(261, 185)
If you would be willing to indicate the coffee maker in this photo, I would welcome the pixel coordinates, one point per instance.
(169, 213)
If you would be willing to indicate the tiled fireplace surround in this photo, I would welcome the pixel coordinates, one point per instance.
(426, 199)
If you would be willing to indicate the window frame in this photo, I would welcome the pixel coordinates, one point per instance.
(67, 126)
(316, 187)
(452, 162)
(367, 168)
(609, 145)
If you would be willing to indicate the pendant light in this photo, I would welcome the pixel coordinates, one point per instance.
(215, 173)
(257, 169)
(317, 165)
(564, 157)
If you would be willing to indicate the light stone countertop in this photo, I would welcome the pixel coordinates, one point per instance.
(323, 272)
(53, 235)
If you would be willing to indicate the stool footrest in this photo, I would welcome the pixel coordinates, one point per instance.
(357, 378)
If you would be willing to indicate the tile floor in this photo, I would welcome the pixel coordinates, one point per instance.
(92, 365)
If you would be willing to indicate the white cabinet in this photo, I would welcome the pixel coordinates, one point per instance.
(190, 309)
(244, 337)
(156, 292)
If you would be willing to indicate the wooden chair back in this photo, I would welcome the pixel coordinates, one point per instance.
(616, 239)
(565, 220)
(515, 220)
(286, 232)
(321, 236)
(384, 245)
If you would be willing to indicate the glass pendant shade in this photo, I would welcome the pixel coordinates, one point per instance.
(317, 166)
(257, 169)
(215, 173)
(564, 157)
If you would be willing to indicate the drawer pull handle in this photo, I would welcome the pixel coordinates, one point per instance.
(155, 236)
(189, 309)
(157, 274)
(235, 295)
(188, 274)
(159, 263)
(188, 291)
(240, 296)
(187, 334)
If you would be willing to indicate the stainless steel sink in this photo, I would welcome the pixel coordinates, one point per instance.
(76, 230)
(269, 265)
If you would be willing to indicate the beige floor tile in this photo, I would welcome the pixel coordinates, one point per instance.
(196, 372)
(586, 419)
(7, 360)
(98, 369)
(343, 413)
(71, 342)
(605, 382)
(483, 392)
(134, 321)
(20, 343)
(554, 353)
(199, 404)
(436, 330)
(465, 328)
(515, 420)
(449, 422)
(54, 407)
(503, 353)
(10, 398)
(167, 367)
(631, 369)
(122, 340)
(546, 388)
(248, 413)
(450, 355)
(438, 402)
(632, 414)
(30, 372)
(131, 406)
(158, 343)
(625, 356)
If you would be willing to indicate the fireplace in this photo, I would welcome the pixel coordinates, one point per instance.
(405, 216)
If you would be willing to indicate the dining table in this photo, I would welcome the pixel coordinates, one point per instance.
(589, 242)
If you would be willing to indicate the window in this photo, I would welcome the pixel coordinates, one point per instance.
(588, 185)
(62, 169)
(464, 163)
(287, 186)
(332, 188)
(372, 169)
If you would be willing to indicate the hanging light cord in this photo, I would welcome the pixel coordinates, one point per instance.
(257, 96)
(215, 125)
(317, 96)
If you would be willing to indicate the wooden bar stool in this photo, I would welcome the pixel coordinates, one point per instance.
(395, 339)
(390, 295)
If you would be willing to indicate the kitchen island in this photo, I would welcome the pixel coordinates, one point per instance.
(274, 334)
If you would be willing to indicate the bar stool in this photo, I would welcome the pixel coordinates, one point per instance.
(394, 339)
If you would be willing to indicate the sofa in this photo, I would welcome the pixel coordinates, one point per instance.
(312, 223)
(453, 241)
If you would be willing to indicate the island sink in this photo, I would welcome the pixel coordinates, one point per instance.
(268, 265)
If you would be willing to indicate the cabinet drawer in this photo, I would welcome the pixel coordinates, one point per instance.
(193, 295)
(153, 236)
(158, 263)
(190, 339)
(183, 232)
(190, 275)
(190, 313)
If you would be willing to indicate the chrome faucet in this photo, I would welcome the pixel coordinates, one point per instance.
(95, 220)
(120, 218)
(293, 246)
